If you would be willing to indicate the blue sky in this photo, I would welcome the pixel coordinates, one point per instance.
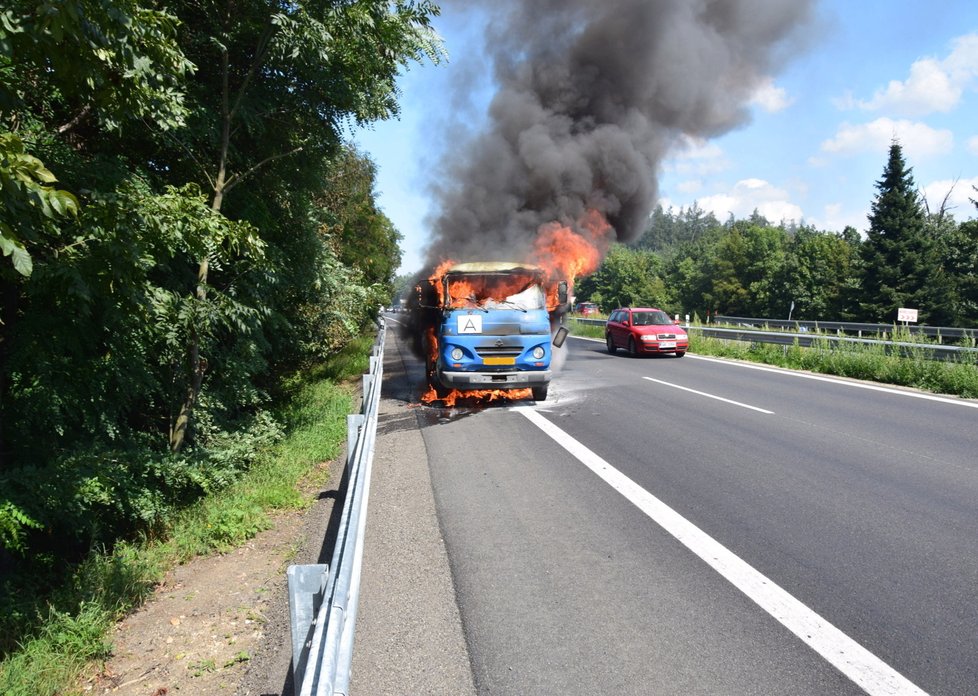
(870, 71)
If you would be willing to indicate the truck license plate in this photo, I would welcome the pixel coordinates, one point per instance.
(499, 361)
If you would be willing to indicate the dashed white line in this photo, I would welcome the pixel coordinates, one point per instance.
(858, 664)
(710, 396)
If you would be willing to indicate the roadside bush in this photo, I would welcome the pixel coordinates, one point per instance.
(217, 498)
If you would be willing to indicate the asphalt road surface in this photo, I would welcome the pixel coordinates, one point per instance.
(672, 526)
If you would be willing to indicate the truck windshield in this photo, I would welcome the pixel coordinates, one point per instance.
(531, 298)
(492, 291)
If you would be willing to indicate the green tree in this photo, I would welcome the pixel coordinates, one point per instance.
(109, 63)
(204, 248)
(275, 84)
(742, 268)
(667, 230)
(960, 258)
(367, 239)
(626, 277)
(899, 258)
(30, 206)
(818, 271)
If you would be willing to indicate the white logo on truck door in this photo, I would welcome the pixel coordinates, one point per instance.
(470, 324)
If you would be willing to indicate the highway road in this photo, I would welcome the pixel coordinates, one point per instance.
(696, 526)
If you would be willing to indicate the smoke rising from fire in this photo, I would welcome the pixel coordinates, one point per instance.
(591, 96)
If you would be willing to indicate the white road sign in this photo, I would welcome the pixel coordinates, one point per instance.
(909, 315)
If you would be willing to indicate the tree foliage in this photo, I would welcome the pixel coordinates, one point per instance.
(909, 258)
(899, 257)
(626, 277)
(182, 227)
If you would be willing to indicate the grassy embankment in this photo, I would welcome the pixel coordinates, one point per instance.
(857, 361)
(73, 627)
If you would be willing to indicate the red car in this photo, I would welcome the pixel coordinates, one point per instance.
(644, 331)
(586, 309)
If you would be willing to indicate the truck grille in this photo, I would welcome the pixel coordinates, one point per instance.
(498, 351)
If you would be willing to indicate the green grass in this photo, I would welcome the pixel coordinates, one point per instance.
(866, 362)
(106, 586)
(586, 330)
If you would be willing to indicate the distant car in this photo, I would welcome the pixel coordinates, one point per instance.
(644, 331)
(586, 309)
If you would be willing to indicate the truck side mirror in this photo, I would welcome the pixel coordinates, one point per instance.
(562, 292)
(560, 336)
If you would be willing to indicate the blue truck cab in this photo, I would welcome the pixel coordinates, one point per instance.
(494, 328)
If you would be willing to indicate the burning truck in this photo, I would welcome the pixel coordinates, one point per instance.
(487, 329)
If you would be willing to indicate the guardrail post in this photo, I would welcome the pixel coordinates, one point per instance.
(307, 583)
(353, 423)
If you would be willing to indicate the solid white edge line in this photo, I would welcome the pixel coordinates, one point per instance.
(858, 664)
(710, 396)
(837, 380)
(823, 378)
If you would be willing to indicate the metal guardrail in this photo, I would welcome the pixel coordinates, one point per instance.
(785, 338)
(807, 340)
(323, 598)
(938, 332)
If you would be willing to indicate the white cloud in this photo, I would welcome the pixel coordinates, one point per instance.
(749, 195)
(973, 145)
(836, 217)
(697, 157)
(958, 193)
(916, 139)
(770, 97)
(932, 86)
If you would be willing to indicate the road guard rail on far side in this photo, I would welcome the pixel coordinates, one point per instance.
(940, 333)
(323, 598)
(930, 351)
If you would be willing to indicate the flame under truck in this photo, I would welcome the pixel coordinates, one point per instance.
(490, 326)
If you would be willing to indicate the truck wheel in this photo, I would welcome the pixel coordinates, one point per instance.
(539, 393)
(611, 344)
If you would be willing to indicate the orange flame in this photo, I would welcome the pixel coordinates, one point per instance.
(569, 254)
(565, 254)
(477, 396)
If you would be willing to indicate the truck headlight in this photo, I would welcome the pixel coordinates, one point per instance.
(457, 354)
(538, 353)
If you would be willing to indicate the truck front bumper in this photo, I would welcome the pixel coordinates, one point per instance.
(495, 380)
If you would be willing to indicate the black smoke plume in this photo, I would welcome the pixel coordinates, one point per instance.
(591, 96)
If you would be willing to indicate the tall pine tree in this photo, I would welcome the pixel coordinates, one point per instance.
(900, 265)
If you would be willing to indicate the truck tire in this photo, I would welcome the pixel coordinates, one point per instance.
(611, 344)
(540, 393)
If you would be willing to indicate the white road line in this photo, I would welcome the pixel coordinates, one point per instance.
(839, 380)
(821, 378)
(710, 396)
(858, 664)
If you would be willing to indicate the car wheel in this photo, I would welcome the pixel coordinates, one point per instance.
(680, 354)
(631, 347)
(611, 344)
(539, 393)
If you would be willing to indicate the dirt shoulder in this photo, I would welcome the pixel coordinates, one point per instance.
(220, 625)
(214, 619)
